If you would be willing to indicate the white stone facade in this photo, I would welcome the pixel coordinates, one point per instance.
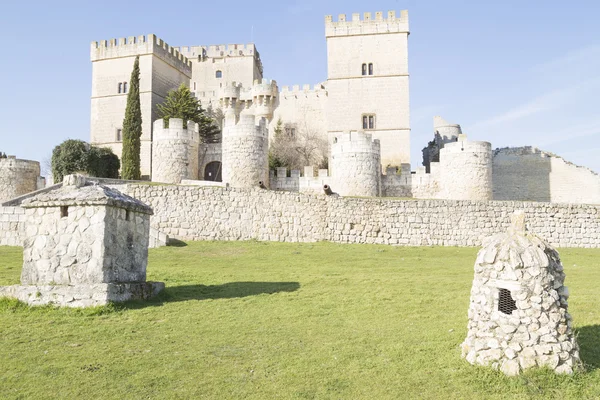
(518, 316)
(162, 68)
(175, 151)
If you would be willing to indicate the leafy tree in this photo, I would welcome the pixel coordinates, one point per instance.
(2, 155)
(77, 156)
(103, 163)
(132, 127)
(181, 103)
(68, 157)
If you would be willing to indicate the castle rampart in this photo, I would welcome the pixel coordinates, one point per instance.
(218, 50)
(368, 25)
(356, 164)
(175, 151)
(140, 45)
(18, 177)
(466, 170)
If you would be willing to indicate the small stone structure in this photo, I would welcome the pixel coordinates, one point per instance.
(175, 151)
(518, 316)
(84, 246)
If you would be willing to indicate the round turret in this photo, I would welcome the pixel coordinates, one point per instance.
(264, 93)
(466, 170)
(17, 177)
(356, 165)
(446, 130)
(245, 151)
(175, 151)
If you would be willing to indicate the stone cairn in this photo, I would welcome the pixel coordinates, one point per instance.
(518, 315)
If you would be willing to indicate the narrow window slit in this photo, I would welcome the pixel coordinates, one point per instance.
(64, 211)
(506, 304)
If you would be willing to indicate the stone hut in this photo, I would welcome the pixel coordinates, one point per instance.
(518, 316)
(84, 246)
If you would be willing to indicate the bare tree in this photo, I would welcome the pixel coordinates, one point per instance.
(299, 144)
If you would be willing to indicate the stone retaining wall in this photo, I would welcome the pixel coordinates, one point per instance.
(214, 213)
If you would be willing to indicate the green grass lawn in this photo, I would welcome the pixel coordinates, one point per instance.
(253, 320)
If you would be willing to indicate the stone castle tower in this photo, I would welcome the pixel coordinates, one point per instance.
(245, 132)
(356, 165)
(162, 68)
(175, 151)
(367, 80)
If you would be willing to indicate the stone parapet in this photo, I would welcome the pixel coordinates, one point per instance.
(175, 151)
(368, 25)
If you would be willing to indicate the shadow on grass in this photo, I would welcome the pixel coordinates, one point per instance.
(225, 291)
(588, 338)
(176, 243)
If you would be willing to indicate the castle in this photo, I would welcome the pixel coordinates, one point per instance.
(361, 110)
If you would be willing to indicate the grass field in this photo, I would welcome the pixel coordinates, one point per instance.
(253, 320)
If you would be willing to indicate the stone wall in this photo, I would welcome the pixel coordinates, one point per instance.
(11, 226)
(213, 213)
(17, 177)
(527, 173)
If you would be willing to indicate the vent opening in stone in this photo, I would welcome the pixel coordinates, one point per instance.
(506, 304)
(64, 211)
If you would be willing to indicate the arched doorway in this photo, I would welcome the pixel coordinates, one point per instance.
(212, 171)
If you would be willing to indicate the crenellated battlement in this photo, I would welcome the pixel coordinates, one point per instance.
(305, 91)
(355, 141)
(389, 23)
(175, 129)
(140, 45)
(219, 50)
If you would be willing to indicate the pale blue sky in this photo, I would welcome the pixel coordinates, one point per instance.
(510, 72)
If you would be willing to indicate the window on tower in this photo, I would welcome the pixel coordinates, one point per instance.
(119, 135)
(370, 68)
(218, 74)
(364, 69)
(124, 87)
(120, 87)
(368, 121)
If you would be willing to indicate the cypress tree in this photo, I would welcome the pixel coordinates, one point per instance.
(132, 127)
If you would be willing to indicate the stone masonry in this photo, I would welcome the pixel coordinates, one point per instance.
(518, 316)
(175, 151)
(84, 246)
(18, 177)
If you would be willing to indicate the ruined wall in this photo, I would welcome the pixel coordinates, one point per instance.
(527, 173)
(213, 213)
(17, 177)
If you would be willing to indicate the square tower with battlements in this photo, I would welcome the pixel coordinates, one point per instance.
(216, 65)
(162, 68)
(367, 80)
